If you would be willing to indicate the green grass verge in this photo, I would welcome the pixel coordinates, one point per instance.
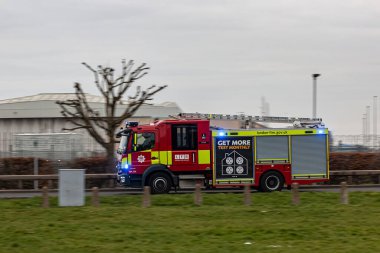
(174, 224)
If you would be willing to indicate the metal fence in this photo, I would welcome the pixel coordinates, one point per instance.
(355, 143)
(52, 146)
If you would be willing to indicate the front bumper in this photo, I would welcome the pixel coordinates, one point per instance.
(122, 179)
(128, 180)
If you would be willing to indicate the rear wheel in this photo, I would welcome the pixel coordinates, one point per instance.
(271, 181)
(160, 183)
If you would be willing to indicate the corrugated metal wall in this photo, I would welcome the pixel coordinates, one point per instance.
(272, 147)
(309, 155)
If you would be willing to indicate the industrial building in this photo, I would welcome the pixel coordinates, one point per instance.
(32, 125)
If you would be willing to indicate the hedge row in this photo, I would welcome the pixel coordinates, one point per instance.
(354, 161)
(25, 166)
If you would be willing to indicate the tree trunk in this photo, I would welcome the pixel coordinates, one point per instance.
(111, 163)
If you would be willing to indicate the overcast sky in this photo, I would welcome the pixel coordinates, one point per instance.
(215, 56)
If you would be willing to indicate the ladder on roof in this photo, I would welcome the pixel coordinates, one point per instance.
(297, 122)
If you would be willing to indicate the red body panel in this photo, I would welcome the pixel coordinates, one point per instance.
(141, 161)
(184, 160)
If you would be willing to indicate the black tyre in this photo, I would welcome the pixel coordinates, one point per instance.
(271, 181)
(160, 183)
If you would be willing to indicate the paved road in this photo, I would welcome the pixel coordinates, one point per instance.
(123, 191)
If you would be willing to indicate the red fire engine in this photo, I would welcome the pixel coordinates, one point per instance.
(179, 152)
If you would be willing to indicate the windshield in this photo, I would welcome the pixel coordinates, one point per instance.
(123, 144)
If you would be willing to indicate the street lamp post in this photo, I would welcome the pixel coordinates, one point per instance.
(315, 94)
(368, 124)
(375, 122)
(364, 128)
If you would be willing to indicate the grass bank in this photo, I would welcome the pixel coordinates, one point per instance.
(174, 224)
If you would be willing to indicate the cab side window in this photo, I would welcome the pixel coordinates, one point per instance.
(144, 141)
(184, 137)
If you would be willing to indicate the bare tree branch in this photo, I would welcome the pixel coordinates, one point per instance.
(102, 125)
(96, 77)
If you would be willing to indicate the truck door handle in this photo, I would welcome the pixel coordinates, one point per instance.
(193, 157)
(153, 158)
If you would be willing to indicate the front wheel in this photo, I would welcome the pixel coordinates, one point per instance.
(160, 183)
(271, 181)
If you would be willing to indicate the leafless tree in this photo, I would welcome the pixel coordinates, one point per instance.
(113, 88)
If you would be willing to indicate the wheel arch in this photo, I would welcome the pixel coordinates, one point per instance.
(262, 176)
(272, 170)
(158, 168)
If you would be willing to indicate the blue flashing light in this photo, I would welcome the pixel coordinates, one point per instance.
(222, 133)
(321, 131)
(126, 166)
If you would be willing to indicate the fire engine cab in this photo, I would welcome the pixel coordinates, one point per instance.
(180, 152)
